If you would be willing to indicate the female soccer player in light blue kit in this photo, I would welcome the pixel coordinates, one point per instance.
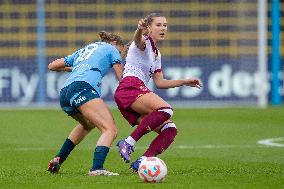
(80, 98)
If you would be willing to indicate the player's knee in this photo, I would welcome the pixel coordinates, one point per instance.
(167, 110)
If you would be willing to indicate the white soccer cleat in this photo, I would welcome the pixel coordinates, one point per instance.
(102, 172)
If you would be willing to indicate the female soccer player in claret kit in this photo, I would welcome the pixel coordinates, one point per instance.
(80, 98)
(136, 102)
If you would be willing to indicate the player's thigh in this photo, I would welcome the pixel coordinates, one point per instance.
(97, 112)
(83, 121)
(148, 103)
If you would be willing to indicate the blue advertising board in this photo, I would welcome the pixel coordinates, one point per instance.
(226, 81)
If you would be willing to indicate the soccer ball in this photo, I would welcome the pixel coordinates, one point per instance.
(152, 169)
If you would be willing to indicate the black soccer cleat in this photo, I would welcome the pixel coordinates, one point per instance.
(54, 165)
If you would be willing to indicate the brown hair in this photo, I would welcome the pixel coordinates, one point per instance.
(110, 37)
(149, 18)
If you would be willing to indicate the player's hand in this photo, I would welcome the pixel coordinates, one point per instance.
(142, 24)
(193, 82)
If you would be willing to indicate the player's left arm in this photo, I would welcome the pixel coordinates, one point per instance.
(59, 65)
(162, 83)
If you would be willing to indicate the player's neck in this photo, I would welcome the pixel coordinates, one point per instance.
(153, 45)
(154, 40)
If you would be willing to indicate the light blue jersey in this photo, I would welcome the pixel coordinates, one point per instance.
(91, 64)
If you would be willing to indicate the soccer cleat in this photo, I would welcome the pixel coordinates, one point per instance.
(125, 150)
(54, 166)
(101, 172)
(135, 165)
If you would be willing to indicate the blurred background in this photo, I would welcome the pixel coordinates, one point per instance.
(233, 46)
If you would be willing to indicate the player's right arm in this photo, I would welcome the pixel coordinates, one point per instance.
(118, 69)
(66, 63)
(59, 65)
(138, 35)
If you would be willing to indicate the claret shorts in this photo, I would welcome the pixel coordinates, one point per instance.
(129, 89)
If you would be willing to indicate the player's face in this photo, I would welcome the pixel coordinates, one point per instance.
(158, 28)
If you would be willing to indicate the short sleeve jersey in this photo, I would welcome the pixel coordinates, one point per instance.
(92, 63)
(142, 64)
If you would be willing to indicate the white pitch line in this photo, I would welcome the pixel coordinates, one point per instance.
(24, 149)
(266, 143)
(272, 142)
(144, 147)
(211, 146)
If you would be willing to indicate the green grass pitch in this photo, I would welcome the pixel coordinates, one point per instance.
(214, 149)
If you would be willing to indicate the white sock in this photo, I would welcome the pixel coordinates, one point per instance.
(130, 141)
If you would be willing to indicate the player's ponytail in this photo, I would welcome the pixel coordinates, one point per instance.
(110, 37)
